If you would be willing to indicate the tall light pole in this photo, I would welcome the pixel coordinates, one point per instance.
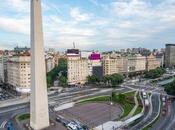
(39, 115)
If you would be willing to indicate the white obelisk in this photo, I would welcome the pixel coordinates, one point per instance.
(39, 101)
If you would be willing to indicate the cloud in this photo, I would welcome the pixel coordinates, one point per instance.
(117, 24)
(22, 6)
(78, 16)
(15, 25)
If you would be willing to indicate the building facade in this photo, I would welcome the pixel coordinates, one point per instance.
(136, 63)
(77, 67)
(112, 65)
(1, 67)
(152, 62)
(18, 72)
(170, 55)
(124, 64)
(50, 62)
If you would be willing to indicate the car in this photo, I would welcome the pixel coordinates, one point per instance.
(163, 99)
(144, 94)
(62, 120)
(58, 119)
(85, 127)
(72, 126)
(79, 125)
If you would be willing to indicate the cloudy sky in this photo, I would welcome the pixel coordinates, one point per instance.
(91, 24)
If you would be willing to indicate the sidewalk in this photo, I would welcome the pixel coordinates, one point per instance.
(110, 125)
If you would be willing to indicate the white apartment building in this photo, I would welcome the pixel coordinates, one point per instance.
(113, 65)
(136, 63)
(124, 64)
(77, 67)
(18, 72)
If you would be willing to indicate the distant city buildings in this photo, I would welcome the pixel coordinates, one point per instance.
(170, 55)
(82, 64)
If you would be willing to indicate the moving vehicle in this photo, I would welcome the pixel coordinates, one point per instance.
(144, 95)
(146, 102)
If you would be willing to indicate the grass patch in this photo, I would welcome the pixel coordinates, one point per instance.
(140, 107)
(96, 99)
(23, 117)
(138, 110)
(127, 107)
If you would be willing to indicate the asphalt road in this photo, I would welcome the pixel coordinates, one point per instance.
(149, 116)
(7, 113)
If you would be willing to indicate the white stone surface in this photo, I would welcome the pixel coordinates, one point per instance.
(39, 100)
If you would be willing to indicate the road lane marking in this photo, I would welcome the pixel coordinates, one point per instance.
(3, 124)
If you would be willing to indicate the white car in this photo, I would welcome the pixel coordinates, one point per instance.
(72, 126)
(144, 94)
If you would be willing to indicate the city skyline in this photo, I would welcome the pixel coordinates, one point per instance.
(91, 24)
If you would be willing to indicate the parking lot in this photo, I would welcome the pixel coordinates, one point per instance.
(4, 95)
(92, 114)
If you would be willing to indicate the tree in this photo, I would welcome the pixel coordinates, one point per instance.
(116, 79)
(170, 88)
(93, 79)
(53, 74)
(106, 79)
(156, 73)
(63, 81)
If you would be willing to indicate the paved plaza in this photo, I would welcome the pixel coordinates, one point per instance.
(92, 114)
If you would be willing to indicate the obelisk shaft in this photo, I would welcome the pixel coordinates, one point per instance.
(39, 101)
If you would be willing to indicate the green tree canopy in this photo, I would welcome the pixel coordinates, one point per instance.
(61, 68)
(170, 88)
(93, 79)
(156, 73)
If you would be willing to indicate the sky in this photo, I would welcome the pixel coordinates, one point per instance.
(92, 24)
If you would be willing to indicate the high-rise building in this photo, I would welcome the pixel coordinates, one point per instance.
(77, 67)
(18, 72)
(170, 55)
